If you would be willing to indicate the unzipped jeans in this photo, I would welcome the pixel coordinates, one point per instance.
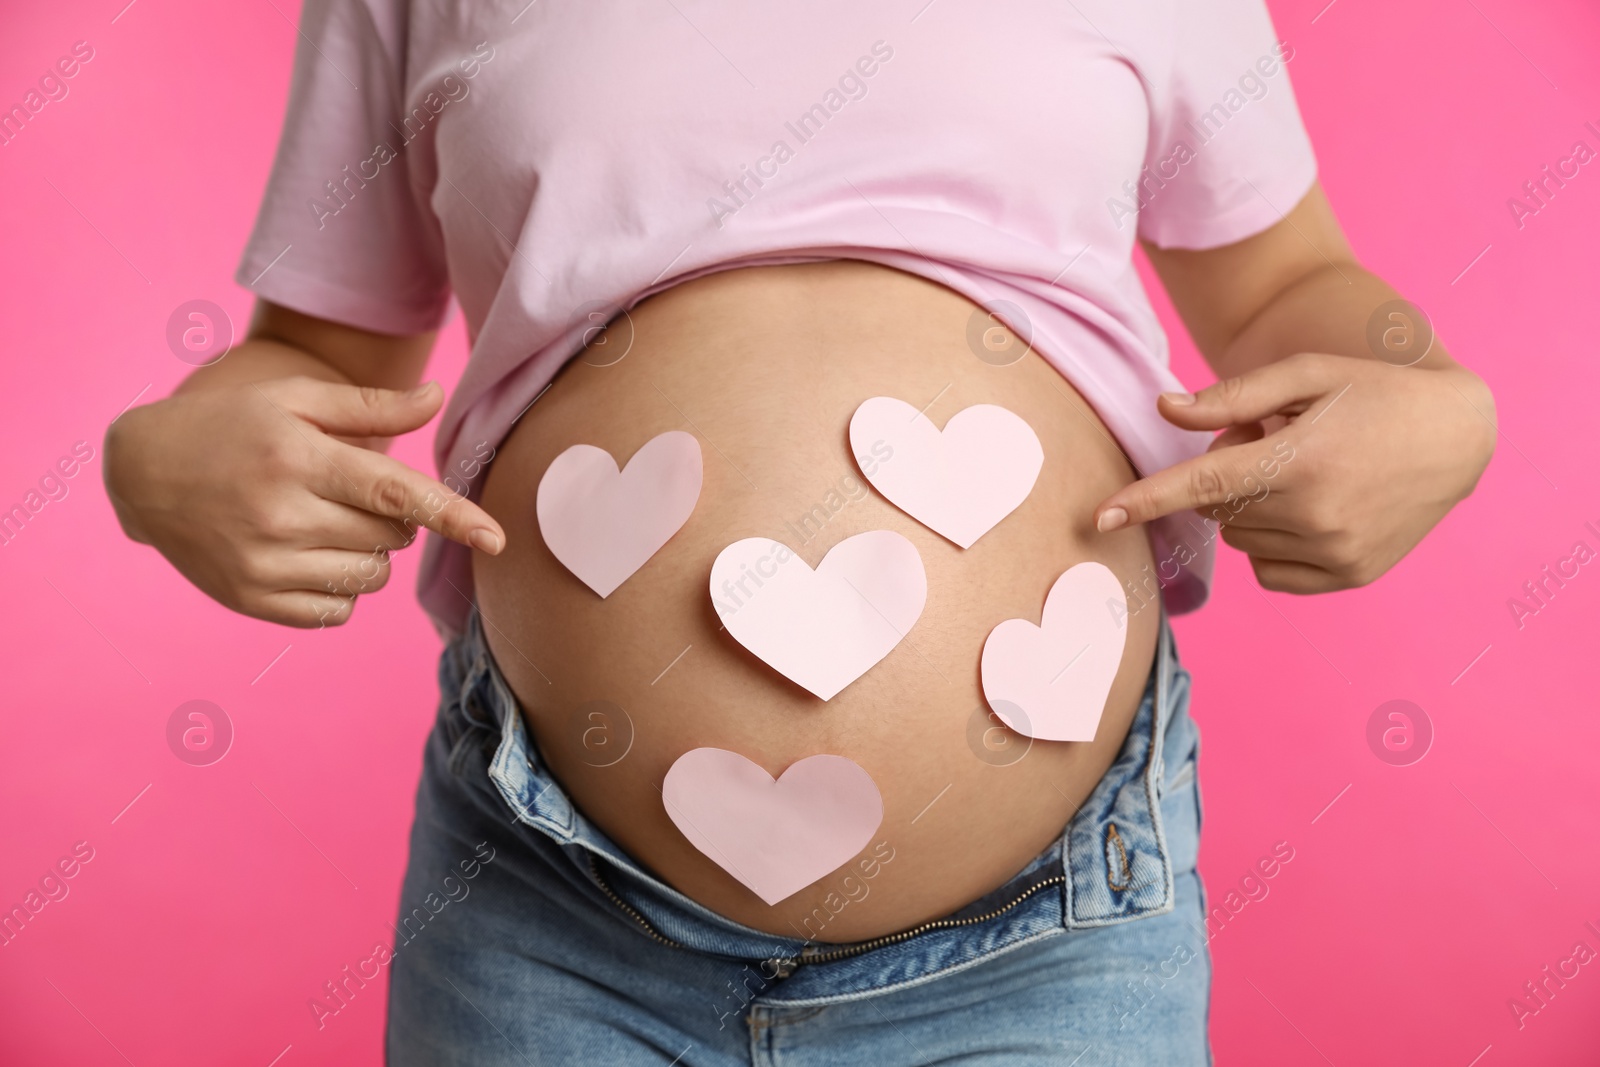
(529, 937)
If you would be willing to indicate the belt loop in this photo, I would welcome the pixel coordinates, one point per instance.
(1156, 766)
(1163, 701)
(1115, 848)
(519, 777)
(477, 669)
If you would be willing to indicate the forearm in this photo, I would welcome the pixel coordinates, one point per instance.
(1329, 310)
(1295, 287)
(258, 359)
(286, 344)
(1291, 322)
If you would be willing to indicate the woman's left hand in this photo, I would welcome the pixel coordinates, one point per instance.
(1330, 468)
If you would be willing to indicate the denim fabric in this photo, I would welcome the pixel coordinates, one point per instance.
(559, 949)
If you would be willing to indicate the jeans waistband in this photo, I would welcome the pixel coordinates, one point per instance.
(1111, 864)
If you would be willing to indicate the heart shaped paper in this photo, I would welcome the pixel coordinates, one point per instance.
(959, 482)
(1051, 681)
(776, 837)
(821, 629)
(604, 524)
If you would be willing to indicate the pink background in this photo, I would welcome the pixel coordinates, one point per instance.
(219, 902)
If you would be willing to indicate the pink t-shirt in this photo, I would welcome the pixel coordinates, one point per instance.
(557, 162)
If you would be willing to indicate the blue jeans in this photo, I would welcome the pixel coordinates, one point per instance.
(528, 937)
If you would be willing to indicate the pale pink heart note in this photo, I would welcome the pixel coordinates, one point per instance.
(821, 629)
(604, 524)
(1051, 681)
(958, 482)
(776, 837)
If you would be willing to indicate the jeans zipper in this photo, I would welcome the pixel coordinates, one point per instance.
(784, 966)
(605, 888)
(808, 955)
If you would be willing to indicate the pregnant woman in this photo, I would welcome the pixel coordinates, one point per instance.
(740, 223)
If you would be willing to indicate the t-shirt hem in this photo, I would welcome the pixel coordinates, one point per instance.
(311, 295)
(1250, 217)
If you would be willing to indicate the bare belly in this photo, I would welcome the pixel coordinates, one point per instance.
(765, 366)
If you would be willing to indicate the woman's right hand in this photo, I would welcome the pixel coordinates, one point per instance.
(251, 491)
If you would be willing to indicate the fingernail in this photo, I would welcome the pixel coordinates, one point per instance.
(1111, 519)
(485, 541)
(1181, 399)
(421, 391)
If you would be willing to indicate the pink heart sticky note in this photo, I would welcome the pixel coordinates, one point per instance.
(604, 524)
(821, 629)
(960, 482)
(1051, 681)
(777, 837)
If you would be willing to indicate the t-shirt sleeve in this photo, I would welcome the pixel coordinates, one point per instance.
(1226, 140)
(344, 231)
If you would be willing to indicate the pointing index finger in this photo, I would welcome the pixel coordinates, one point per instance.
(375, 483)
(1204, 481)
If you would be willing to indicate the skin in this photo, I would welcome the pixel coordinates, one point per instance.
(765, 366)
(263, 480)
(1279, 316)
(1282, 318)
